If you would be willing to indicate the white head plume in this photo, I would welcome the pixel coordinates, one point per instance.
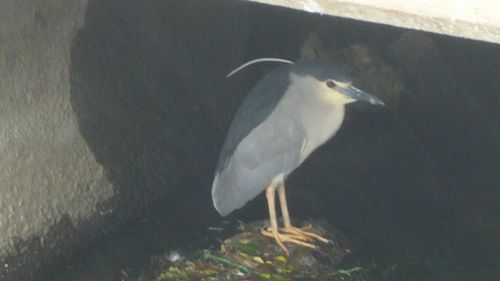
(257, 61)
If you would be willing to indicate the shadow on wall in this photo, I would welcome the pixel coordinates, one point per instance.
(147, 83)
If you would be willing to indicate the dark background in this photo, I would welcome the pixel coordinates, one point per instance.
(415, 184)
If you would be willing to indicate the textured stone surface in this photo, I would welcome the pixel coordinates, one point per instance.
(101, 109)
(50, 181)
(47, 170)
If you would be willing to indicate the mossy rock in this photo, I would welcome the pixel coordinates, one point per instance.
(249, 255)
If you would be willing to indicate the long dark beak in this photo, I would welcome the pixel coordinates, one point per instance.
(356, 94)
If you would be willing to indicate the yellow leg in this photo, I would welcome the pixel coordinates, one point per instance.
(301, 234)
(270, 195)
(284, 206)
(280, 238)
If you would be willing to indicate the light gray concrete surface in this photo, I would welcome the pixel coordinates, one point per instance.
(463, 18)
(101, 108)
(47, 170)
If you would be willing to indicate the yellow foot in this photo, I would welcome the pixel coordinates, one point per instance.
(289, 238)
(304, 234)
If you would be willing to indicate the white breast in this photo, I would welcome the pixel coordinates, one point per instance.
(320, 129)
(320, 116)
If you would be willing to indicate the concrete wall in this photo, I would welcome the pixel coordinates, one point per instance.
(464, 18)
(98, 106)
(48, 173)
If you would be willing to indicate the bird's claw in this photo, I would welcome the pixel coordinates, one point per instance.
(303, 234)
(289, 238)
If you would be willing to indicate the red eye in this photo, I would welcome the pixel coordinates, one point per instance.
(330, 84)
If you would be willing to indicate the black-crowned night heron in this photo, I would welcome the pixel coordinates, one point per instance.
(292, 111)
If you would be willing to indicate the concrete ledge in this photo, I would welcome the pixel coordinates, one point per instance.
(463, 18)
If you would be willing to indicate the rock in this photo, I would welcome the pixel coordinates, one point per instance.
(248, 255)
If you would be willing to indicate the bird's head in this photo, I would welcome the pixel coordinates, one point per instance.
(330, 82)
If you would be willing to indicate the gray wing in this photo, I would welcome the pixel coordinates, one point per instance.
(268, 151)
(256, 107)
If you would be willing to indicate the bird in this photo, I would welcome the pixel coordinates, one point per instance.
(289, 113)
